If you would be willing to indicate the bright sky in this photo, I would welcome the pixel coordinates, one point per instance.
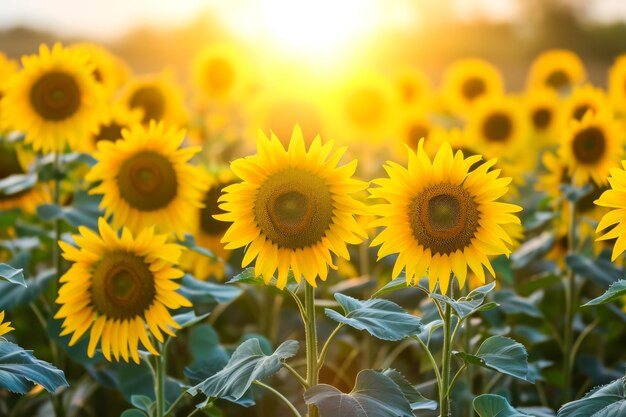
(104, 19)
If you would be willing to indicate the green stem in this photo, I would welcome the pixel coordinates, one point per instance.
(312, 371)
(172, 407)
(570, 303)
(432, 360)
(281, 396)
(444, 399)
(297, 375)
(159, 383)
(324, 351)
(456, 376)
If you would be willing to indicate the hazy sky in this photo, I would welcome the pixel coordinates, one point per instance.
(110, 18)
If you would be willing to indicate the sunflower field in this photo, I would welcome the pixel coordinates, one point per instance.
(238, 240)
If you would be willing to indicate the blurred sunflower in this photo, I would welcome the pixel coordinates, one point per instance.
(220, 73)
(414, 87)
(617, 82)
(158, 97)
(15, 161)
(115, 286)
(542, 108)
(557, 69)
(293, 208)
(54, 99)
(5, 326)
(108, 70)
(8, 67)
(442, 217)
(614, 199)
(210, 231)
(117, 117)
(584, 99)
(415, 125)
(146, 180)
(467, 80)
(592, 146)
(556, 174)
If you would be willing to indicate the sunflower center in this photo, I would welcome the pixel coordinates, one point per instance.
(444, 218)
(220, 74)
(147, 181)
(365, 107)
(541, 118)
(589, 145)
(417, 131)
(151, 100)
(208, 224)
(294, 208)
(409, 91)
(497, 127)
(473, 87)
(558, 79)
(580, 111)
(55, 96)
(110, 132)
(122, 285)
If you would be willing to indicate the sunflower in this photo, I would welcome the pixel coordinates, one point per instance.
(15, 161)
(416, 125)
(617, 82)
(8, 67)
(615, 219)
(542, 109)
(108, 70)
(117, 117)
(557, 69)
(158, 97)
(584, 99)
(414, 87)
(592, 146)
(556, 174)
(210, 231)
(115, 286)
(293, 208)
(220, 73)
(467, 80)
(54, 99)
(6, 326)
(146, 179)
(442, 216)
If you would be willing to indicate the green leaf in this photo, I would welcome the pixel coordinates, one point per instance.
(600, 270)
(190, 243)
(17, 183)
(247, 364)
(84, 211)
(14, 276)
(512, 303)
(491, 405)
(606, 401)
(468, 305)
(616, 291)
(249, 277)
(133, 412)
(189, 318)
(501, 354)
(531, 250)
(13, 295)
(20, 370)
(381, 318)
(374, 395)
(396, 284)
(413, 396)
(142, 402)
(199, 292)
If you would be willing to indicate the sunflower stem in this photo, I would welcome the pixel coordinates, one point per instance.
(312, 370)
(159, 383)
(444, 399)
(570, 303)
(293, 409)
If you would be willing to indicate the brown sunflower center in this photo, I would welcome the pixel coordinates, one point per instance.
(55, 96)
(110, 132)
(122, 285)
(558, 79)
(444, 218)
(417, 131)
(365, 107)
(498, 127)
(410, 92)
(473, 87)
(580, 111)
(541, 118)
(220, 74)
(151, 100)
(147, 181)
(294, 208)
(208, 224)
(589, 145)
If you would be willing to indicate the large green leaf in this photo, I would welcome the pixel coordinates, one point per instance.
(13, 295)
(468, 305)
(20, 370)
(84, 211)
(491, 405)
(601, 271)
(501, 354)
(616, 291)
(381, 318)
(413, 396)
(512, 303)
(606, 401)
(198, 291)
(247, 364)
(13, 275)
(374, 395)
